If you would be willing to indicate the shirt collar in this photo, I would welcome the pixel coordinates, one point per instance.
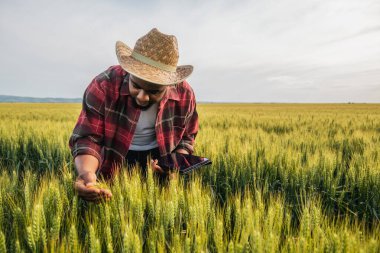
(171, 92)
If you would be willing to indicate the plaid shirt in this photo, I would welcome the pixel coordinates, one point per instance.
(108, 119)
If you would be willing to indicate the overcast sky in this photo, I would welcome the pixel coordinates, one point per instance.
(242, 51)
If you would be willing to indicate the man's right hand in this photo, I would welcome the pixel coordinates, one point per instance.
(87, 189)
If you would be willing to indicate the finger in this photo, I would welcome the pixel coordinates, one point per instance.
(89, 197)
(106, 192)
(153, 162)
(85, 193)
(96, 197)
(156, 167)
(159, 169)
(91, 190)
(84, 190)
(92, 194)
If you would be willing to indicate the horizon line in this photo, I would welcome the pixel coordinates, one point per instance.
(198, 102)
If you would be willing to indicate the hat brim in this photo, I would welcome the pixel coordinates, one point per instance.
(148, 72)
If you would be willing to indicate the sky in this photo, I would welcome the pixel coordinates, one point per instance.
(313, 51)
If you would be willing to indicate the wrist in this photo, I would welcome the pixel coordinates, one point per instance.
(88, 176)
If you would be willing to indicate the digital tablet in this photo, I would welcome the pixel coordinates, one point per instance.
(184, 163)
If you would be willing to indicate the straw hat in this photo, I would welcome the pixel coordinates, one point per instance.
(154, 59)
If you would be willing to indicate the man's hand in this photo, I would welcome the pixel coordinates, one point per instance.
(88, 189)
(156, 168)
(182, 151)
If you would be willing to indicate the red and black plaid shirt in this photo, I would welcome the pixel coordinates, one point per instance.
(108, 119)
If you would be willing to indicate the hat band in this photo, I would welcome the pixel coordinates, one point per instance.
(153, 63)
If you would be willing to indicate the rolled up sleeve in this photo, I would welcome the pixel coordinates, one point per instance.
(88, 133)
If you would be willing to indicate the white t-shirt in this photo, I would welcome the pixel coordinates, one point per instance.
(145, 133)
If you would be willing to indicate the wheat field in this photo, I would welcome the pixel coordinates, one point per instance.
(284, 178)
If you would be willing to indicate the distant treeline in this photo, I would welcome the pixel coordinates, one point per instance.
(16, 99)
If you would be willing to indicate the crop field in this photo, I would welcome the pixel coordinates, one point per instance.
(284, 178)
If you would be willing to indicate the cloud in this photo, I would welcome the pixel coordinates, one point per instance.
(369, 30)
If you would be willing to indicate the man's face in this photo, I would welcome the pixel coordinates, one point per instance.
(145, 93)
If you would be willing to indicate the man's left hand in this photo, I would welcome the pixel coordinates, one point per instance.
(159, 170)
(156, 167)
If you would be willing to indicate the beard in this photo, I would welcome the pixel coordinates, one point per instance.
(143, 108)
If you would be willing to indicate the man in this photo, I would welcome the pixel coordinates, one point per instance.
(141, 107)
